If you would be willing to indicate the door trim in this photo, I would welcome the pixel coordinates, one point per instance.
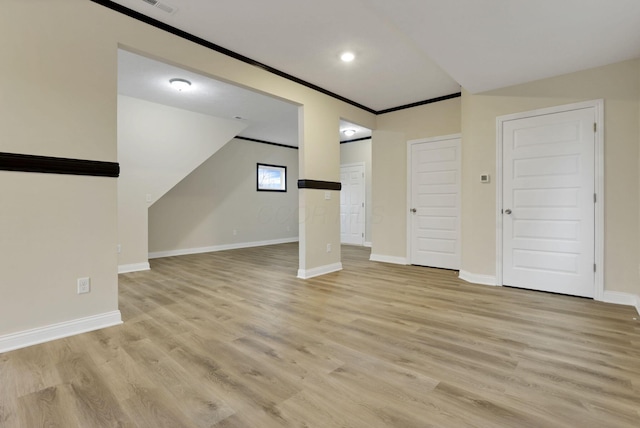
(410, 144)
(598, 106)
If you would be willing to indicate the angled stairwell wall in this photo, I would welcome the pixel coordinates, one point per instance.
(158, 146)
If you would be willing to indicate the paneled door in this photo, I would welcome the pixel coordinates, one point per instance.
(548, 215)
(352, 212)
(434, 202)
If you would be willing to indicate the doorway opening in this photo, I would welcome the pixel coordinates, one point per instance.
(355, 177)
(189, 160)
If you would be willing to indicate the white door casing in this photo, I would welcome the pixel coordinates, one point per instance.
(549, 224)
(433, 195)
(352, 204)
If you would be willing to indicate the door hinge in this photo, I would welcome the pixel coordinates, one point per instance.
(594, 267)
(363, 235)
(594, 198)
(595, 127)
(363, 205)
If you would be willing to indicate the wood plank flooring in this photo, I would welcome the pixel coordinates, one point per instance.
(233, 339)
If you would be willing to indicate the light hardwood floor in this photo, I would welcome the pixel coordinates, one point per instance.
(233, 339)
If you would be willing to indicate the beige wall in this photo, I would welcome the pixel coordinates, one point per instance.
(52, 77)
(59, 69)
(360, 152)
(618, 85)
(220, 196)
(389, 181)
(58, 98)
(319, 159)
(49, 239)
(158, 146)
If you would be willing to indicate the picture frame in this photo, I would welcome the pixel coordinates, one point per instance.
(271, 178)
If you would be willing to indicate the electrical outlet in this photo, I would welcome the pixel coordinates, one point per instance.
(327, 195)
(328, 248)
(235, 232)
(84, 285)
(119, 248)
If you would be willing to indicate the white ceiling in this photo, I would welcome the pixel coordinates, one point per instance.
(267, 118)
(361, 131)
(490, 44)
(413, 50)
(406, 51)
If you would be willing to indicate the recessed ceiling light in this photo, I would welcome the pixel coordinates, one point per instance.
(349, 132)
(180, 84)
(347, 57)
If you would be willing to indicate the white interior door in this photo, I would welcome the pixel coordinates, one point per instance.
(548, 219)
(434, 202)
(352, 213)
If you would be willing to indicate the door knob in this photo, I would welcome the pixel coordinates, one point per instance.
(507, 211)
(413, 210)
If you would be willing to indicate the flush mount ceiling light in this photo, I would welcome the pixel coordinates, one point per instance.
(347, 57)
(349, 132)
(180, 84)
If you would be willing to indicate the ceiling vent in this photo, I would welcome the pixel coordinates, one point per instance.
(162, 6)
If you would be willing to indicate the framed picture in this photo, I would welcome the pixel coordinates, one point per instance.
(271, 178)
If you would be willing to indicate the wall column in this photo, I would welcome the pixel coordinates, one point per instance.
(319, 199)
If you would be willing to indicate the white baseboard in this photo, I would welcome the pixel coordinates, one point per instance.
(619, 298)
(136, 267)
(476, 278)
(368, 244)
(22, 339)
(186, 251)
(388, 259)
(321, 270)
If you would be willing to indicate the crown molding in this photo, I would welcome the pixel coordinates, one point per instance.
(207, 44)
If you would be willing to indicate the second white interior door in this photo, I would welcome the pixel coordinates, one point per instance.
(434, 206)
